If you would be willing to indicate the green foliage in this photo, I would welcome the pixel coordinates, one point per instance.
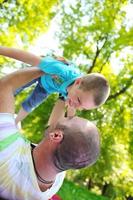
(90, 33)
(98, 30)
(71, 191)
(22, 21)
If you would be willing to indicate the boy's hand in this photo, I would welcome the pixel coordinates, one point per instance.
(71, 111)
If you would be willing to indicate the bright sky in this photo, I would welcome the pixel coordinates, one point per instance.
(48, 42)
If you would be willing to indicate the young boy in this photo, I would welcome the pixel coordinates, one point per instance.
(77, 91)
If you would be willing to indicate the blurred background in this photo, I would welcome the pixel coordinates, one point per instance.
(98, 37)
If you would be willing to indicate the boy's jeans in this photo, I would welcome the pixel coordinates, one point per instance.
(35, 98)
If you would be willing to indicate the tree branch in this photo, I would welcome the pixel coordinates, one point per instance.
(98, 50)
(104, 189)
(94, 60)
(4, 1)
(124, 89)
(106, 60)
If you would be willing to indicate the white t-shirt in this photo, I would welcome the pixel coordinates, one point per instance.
(17, 176)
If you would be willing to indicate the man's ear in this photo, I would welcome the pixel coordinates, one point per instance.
(78, 81)
(56, 136)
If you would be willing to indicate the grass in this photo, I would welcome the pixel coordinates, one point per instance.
(70, 191)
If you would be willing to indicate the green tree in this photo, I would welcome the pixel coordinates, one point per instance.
(97, 31)
(90, 33)
(22, 21)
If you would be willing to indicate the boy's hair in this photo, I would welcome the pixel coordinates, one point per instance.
(98, 85)
(79, 147)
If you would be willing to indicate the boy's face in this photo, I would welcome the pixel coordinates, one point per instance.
(78, 98)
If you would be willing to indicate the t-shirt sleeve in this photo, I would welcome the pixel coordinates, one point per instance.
(7, 125)
(52, 66)
(57, 184)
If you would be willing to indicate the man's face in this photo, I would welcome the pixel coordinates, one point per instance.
(79, 99)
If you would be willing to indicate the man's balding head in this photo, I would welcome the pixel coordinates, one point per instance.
(80, 146)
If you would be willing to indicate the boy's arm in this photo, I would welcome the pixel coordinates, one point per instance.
(57, 112)
(20, 55)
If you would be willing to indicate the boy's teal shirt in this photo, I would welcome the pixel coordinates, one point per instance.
(66, 75)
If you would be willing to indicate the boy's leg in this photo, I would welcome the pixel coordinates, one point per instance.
(11, 82)
(25, 86)
(36, 97)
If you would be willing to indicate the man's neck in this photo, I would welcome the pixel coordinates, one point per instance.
(44, 167)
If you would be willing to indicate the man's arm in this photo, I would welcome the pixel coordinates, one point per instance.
(11, 82)
(20, 55)
(57, 112)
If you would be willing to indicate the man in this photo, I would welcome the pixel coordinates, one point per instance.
(37, 173)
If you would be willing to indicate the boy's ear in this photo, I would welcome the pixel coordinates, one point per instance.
(78, 81)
